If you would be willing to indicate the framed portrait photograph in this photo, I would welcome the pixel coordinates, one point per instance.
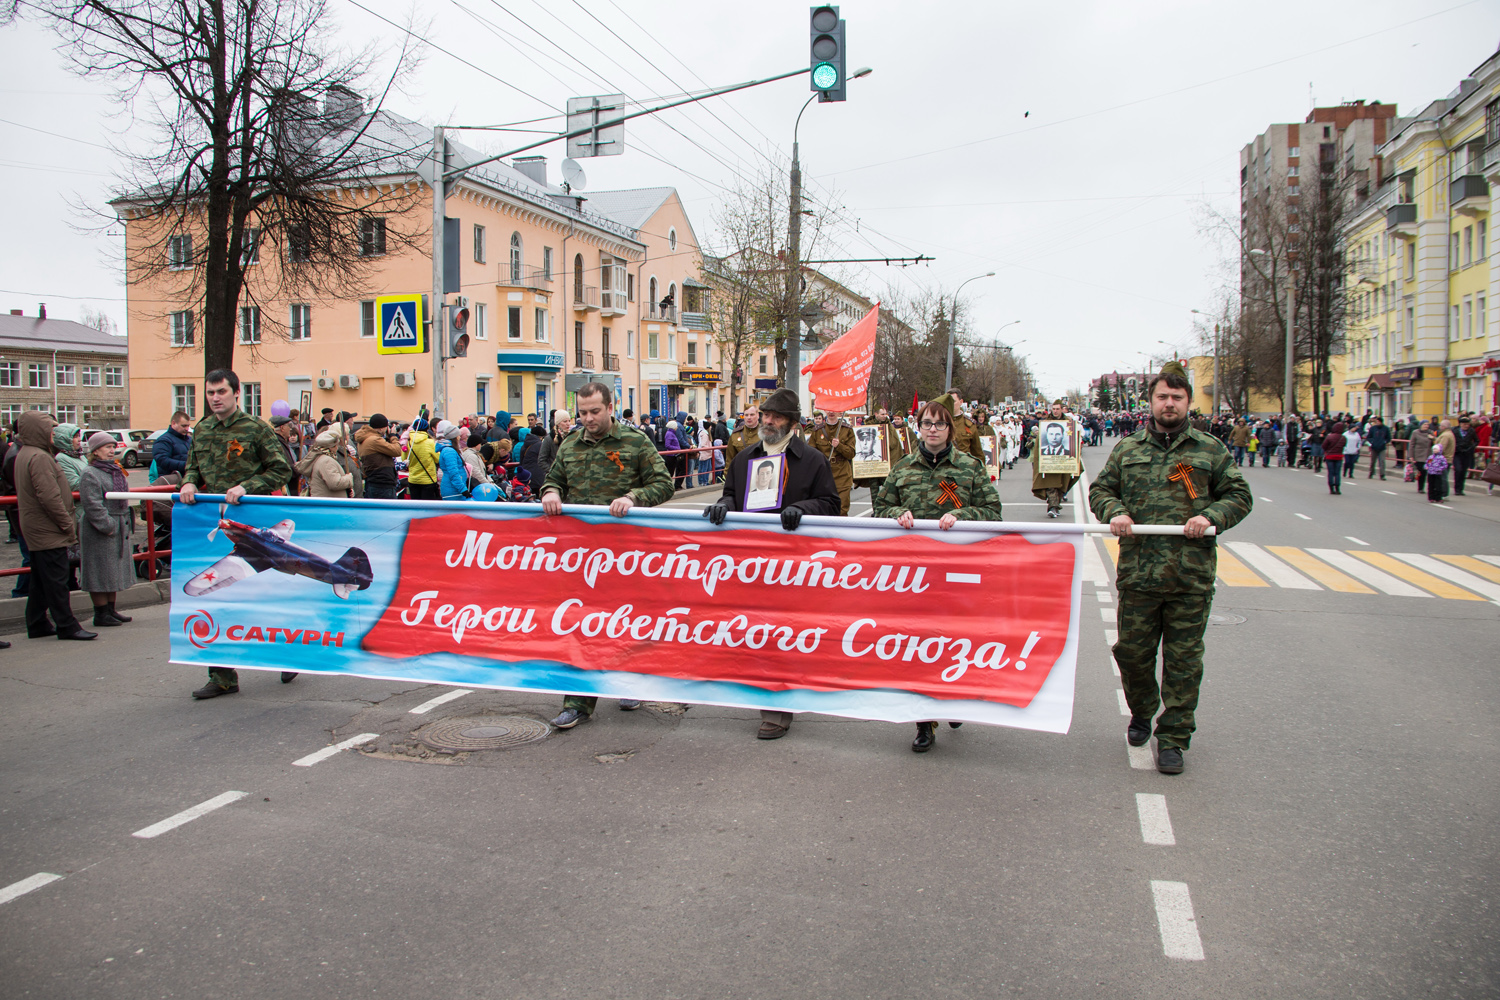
(305, 407)
(1057, 446)
(989, 444)
(764, 483)
(872, 458)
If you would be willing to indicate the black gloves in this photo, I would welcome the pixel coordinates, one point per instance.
(716, 511)
(791, 517)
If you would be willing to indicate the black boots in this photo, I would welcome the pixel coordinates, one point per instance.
(923, 742)
(105, 616)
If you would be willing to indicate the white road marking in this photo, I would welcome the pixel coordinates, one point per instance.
(1105, 597)
(441, 699)
(1111, 636)
(188, 815)
(1107, 614)
(1357, 541)
(1268, 500)
(1440, 506)
(963, 577)
(24, 886)
(1124, 708)
(1452, 574)
(327, 752)
(1280, 573)
(1363, 571)
(1156, 825)
(1391, 492)
(1174, 917)
(1140, 758)
(1304, 517)
(1492, 560)
(1093, 564)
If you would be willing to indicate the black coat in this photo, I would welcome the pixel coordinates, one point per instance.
(809, 480)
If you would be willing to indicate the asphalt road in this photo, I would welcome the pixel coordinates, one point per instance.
(1334, 835)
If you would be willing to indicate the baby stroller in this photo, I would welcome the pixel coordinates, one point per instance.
(519, 487)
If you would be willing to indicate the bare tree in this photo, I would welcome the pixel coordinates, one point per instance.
(97, 319)
(260, 146)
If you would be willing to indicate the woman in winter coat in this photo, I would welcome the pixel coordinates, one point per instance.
(562, 423)
(422, 463)
(66, 439)
(672, 441)
(106, 566)
(473, 463)
(1333, 448)
(1352, 442)
(1418, 450)
(321, 467)
(453, 481)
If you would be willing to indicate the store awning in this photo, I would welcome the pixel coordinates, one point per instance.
(528, 361)
(1379, 382)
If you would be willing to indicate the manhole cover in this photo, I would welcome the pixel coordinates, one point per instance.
(1222, 618)
(486, 733)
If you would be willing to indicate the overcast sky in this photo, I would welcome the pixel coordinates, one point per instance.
(1073, 154)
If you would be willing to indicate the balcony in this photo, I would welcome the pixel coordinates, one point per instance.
(657, 313)
(1401, 220)
(583, 360)
(585, 298)
(612, 302)
(611, 362)
(1469, 194)
(697, 321)
(526, 277)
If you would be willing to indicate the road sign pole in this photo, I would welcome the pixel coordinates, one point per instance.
(435, 338)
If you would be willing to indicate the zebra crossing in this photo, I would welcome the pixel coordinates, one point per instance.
(1354, 571)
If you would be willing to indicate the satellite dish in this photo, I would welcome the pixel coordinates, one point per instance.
(573, 175)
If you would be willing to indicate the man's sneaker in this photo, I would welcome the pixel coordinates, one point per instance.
(569, 718)
(629, 704)
(212, 690)
(1169, 760)
(1138, 732)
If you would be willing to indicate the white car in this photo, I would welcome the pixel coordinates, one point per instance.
(134, 446)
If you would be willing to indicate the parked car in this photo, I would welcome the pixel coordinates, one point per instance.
(134, 446)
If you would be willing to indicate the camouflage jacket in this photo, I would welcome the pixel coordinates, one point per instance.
(598, 472)
(741, 439)
(1156, 482)
(917, 484)
(241, 451)
(838, 448)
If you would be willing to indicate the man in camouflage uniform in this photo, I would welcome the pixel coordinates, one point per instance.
(234, 454)
(965, 434)
(1051, 486)
(745, 435)
(835, 439)
(602, 461)
(1167, 473)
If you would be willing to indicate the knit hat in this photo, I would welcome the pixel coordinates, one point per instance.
(784, 402)
(98, 440)
(419, 424)
(328, 439)
(447, 429)
(379, 422)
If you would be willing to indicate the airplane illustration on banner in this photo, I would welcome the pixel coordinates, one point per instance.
(259, 549)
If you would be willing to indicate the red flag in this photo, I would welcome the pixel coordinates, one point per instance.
(840, 376)
(914, 402)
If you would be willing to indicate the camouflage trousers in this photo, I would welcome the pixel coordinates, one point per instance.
(581, 702)
(1054, 499)
(1174, 623)
(225, 677)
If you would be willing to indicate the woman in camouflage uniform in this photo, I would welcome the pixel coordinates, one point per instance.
(937, 481)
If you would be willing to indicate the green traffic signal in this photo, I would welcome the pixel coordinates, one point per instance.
(825, 76)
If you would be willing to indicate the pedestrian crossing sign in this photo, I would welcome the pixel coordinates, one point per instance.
(399, 321)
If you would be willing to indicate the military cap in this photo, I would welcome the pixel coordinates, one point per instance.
(1175, 368)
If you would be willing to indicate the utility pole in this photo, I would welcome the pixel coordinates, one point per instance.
(1291, 385)
(1216, 371)
(435, 330)
(794, 271)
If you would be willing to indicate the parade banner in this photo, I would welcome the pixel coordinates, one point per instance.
(845, 616)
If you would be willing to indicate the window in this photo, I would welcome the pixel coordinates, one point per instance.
(300, 325)
(481, 327)
(1453, 252)
(1484, 229)
(250, 398)
(90, 375)
(249, 324)
(604, 349)
(37, 375)
(1468, 317)
(299, 244)
(547, 263)
(539, 328)
(692, 352)
(182, 329)
(513, 328)
(1453, 325)
(250, 248)
(515, 258)
(367, 318)
(630, 288)
(672, 240)
(90, 415)
(10, 374)
(184, 398)
(630, 343)
(577, 344)
(653, 345)
(1410, 327)
(179, 252)
(67, 374)
(1481, 317)
(1411, 261)
(1468, 245)
(481, 396)
(708, 354)
(10, 412)
(671, 347)
(1292, 151)
(478, 247)
(371, 236)
(114, 377)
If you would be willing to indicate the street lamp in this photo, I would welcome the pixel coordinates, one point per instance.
(948, 370)
(794, 256)
(1286, 403)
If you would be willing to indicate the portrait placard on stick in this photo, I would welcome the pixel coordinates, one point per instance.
(872, 456)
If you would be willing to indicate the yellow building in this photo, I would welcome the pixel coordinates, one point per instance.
(1422, 335)
(1201, 371)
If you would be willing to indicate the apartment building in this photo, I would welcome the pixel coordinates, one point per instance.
(72, 371)
(1423, 334)
(553, 280)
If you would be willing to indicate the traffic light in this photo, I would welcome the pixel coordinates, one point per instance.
(458, 338)
(827, 43)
